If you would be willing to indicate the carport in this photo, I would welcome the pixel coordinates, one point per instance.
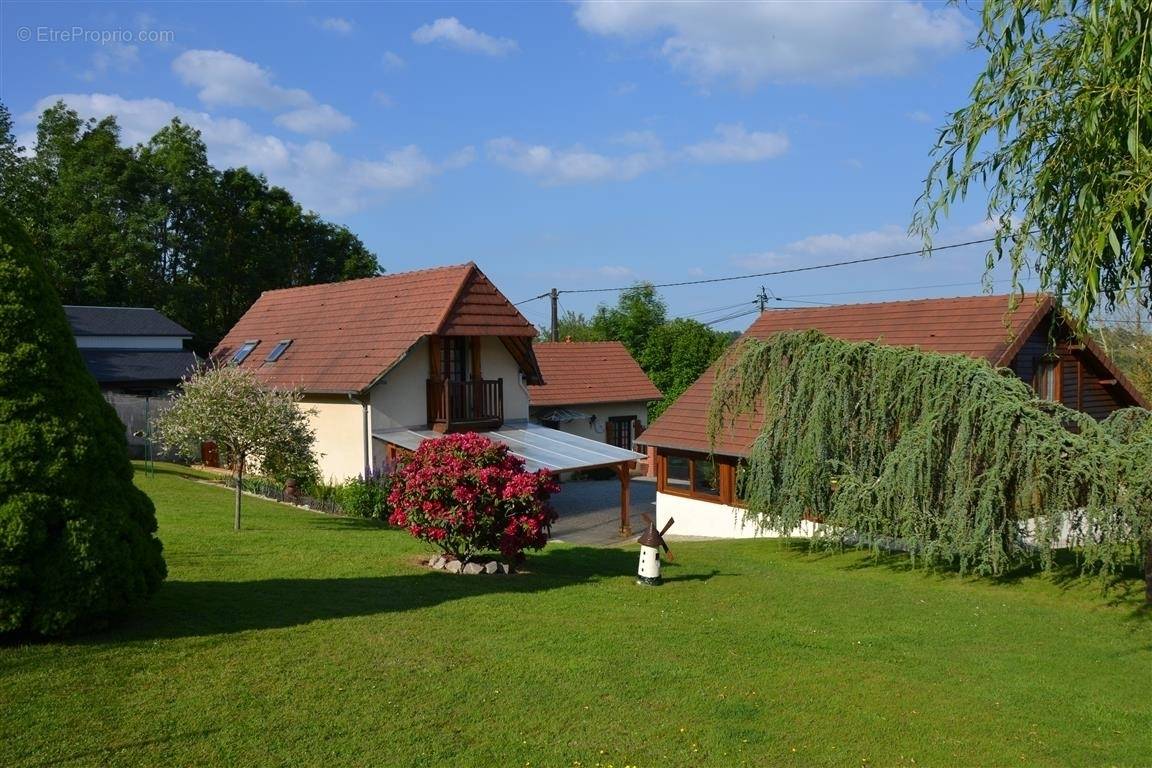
(543, 448)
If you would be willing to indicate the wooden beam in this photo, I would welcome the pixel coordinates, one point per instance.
(625, 502)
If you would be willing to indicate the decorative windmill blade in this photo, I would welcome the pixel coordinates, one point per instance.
(663, 543)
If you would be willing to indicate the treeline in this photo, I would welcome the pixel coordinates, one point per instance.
(672, 351)
(156, 225)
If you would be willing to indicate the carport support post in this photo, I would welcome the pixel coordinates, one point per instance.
(622, 469)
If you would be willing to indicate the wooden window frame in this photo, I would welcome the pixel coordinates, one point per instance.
(725, 471)
(1040, 369)
(627, 423)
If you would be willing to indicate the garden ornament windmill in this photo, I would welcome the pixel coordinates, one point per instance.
(650, 543)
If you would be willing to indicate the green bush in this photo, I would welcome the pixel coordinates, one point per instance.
(77, 538)
(367, 496)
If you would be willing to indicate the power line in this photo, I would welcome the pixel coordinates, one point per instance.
(728, 308)
(792, 270)
(534, 298)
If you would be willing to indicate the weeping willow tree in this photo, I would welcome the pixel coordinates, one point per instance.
(959, 461)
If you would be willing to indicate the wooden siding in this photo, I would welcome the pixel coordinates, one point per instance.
(1081, 376)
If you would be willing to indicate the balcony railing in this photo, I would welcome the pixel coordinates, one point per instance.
(461, 406)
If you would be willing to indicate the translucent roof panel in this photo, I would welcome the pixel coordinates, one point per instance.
(539, 447)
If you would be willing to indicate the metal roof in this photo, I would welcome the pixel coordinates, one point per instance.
(122, 366)
(122, 321)
(539, 447)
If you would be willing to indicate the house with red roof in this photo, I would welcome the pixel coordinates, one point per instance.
(387, 362)
(696, 481)
(594, 389)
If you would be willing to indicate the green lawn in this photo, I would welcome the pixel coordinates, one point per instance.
(311, 640)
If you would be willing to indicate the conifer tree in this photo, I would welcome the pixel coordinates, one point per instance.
(78, 540)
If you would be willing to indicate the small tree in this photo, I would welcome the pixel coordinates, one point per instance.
(227, 405)
(466, 495)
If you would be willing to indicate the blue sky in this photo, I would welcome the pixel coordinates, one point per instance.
(569, 145)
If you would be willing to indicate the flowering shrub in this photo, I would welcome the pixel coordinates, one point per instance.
(467, 494)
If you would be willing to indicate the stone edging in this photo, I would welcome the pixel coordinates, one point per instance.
(452, 565)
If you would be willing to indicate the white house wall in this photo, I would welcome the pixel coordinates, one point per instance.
(496, 362)
(602, 412)
(400, 399)
(339, 426)
(718, 521)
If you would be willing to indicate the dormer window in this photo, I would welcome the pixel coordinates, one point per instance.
(278, 350)
(245, 350)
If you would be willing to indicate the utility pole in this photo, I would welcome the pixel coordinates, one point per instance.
(762, 298)
(555, 296)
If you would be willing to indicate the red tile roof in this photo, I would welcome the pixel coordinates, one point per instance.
(977, 326)
(346, 335)
(589, 372)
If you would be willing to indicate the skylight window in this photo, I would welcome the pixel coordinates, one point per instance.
(278, 350)
(245, 350)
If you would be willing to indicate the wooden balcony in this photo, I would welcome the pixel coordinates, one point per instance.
(465, 406)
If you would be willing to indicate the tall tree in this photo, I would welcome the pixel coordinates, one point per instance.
(675, 355)
(572, 326)
(637, 313)
(13, 167)
(180, 186)
(83, 188)
(158, 225)
(1059, 131)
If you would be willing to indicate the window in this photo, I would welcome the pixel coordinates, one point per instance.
(696, 476)
(618, 431)
(278, 350)
(1046, 380)
(705, 477)
(454, 358)
(245, 350)
(677, 472)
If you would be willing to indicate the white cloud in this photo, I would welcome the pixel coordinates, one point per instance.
(756, 42)
(737, 145)
(578, 165)
(920, 116)
(112, 57)
(831, 247)
(450, 32)
(383, 99)
(319, 120)
(316, 174)
(336, 24)
(639, 139)
(225, 79)
(460, 158)
(616, 272)
(393, 60)
(624, 89)
(873, 242)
